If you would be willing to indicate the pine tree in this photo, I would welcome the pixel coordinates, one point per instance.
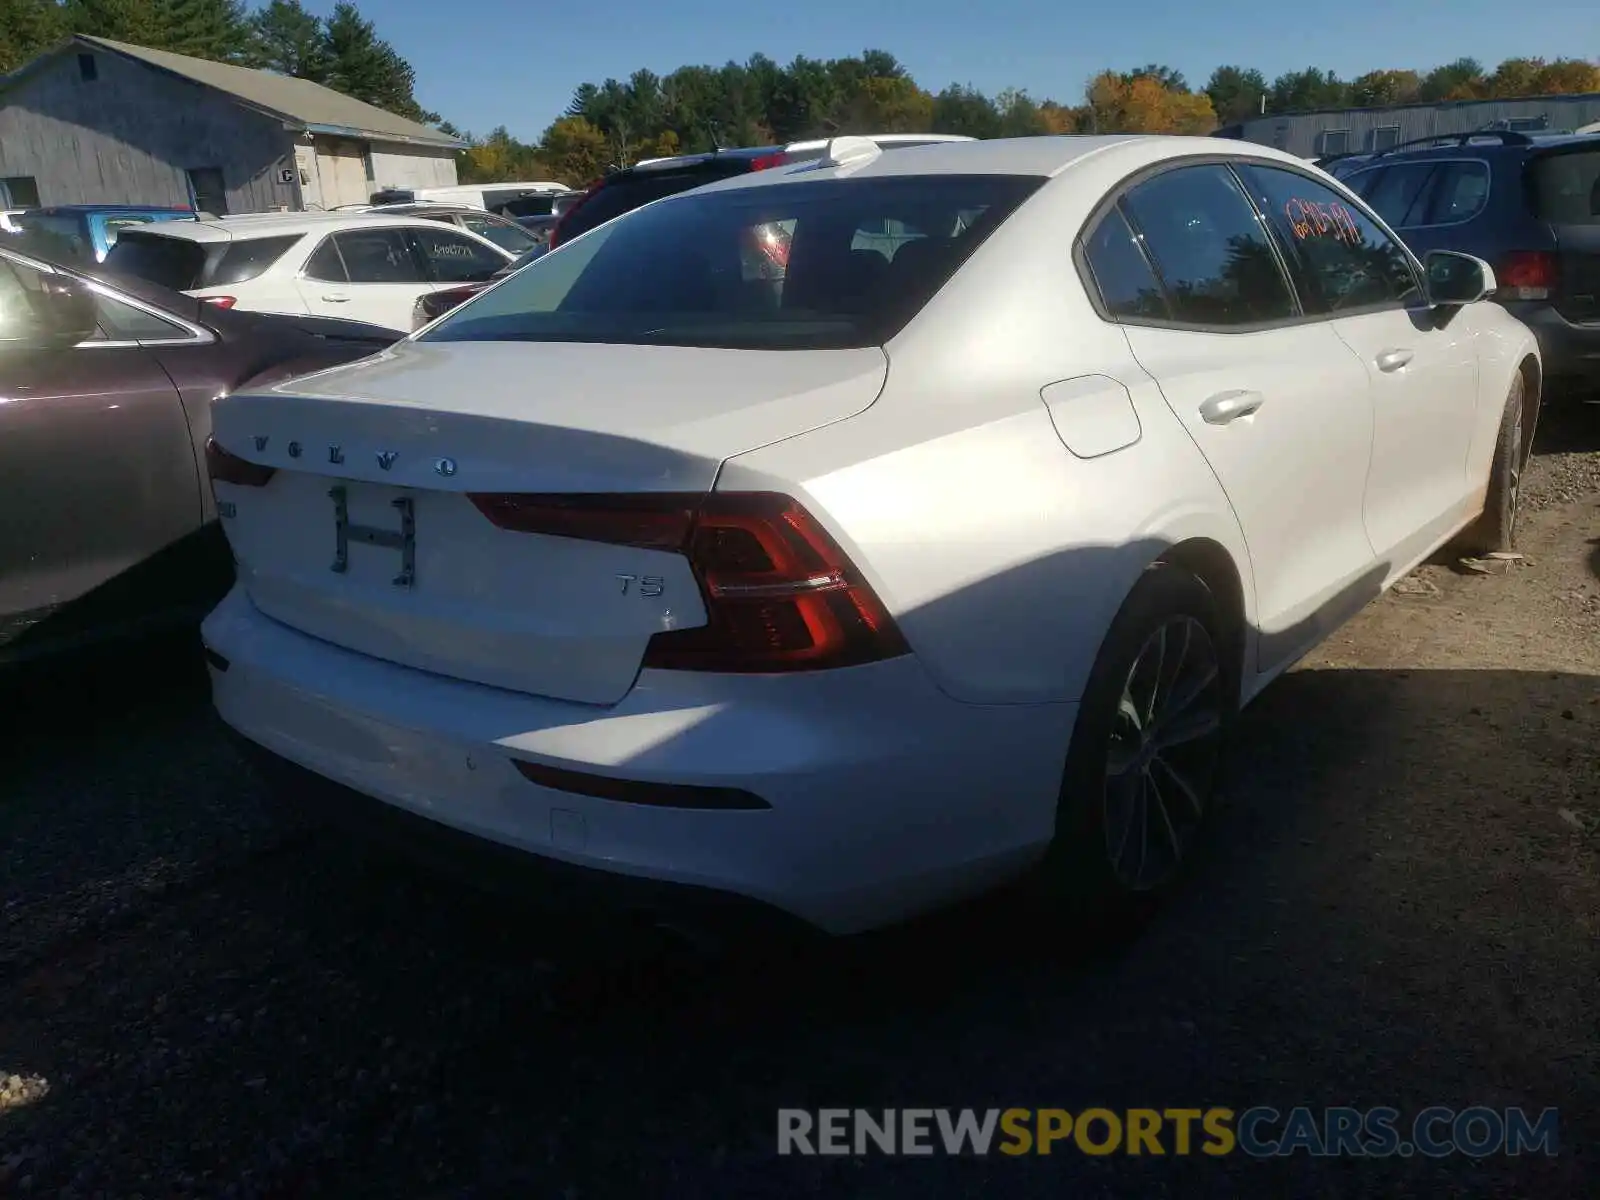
(289, 40)
(28, 28)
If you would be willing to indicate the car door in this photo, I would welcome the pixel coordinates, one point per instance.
(1422, 363)
(370, 275)
(98, 467)
(1275, 402)
(452, 257)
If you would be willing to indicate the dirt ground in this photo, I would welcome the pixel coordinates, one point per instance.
(1401, 907)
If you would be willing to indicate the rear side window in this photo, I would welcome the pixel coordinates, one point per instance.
(170, 262)
(1460, 191)
(1565, 187)
(1212, 254)
(247, 258)
(1128, 287)
(802, 265)
(529, 206)
(1398, 194)
(377, 256)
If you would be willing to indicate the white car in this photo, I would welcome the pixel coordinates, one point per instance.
(733, 550)
(350, 265)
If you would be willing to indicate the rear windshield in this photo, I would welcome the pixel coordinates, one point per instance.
(1565, 187)
(175, 263)
(529, 206)
(831, 264)
(246, 258)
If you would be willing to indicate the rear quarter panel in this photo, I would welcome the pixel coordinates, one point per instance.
(1002, 555)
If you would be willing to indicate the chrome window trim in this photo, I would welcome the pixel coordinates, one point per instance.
(193, 334)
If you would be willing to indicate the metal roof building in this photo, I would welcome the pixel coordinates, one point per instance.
(98, 121)
(1365, 130)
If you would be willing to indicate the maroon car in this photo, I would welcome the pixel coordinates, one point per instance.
(107, 524)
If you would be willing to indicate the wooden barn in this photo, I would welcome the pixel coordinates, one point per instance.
(101, 122)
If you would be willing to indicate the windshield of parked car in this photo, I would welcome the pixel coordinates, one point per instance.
(829, 264)
(1566, 186)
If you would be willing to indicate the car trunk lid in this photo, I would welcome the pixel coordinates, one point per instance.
(367, 536)
(1564, 189)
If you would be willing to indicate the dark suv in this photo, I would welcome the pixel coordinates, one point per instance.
(1529, 206)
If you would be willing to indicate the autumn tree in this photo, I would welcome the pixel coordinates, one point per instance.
(1143, 105)
(1462, 79)
(1385, 87)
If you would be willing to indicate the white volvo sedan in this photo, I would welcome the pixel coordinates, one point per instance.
(846, 538)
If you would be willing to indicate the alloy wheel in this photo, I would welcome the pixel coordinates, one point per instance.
(1162, 756)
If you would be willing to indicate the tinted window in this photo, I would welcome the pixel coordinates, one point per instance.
(1128, 287)
(1398, 194)
(1460, 190)
(1213, 257)
(634, 191)
(63, 237)
(760, 268)
(171, 262)
(19, 314)
(326, 265)
(248, 257)
(452, 258)
(1566, 187)
(1343, 260)
(529, 206)
(124, 323)
(115, 225)
(508, 235)
(377, 256)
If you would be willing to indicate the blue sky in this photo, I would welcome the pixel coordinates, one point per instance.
(494, 62)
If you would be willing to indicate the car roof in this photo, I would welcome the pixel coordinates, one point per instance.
(1529, 143)
(223, 229)
(1046, 156)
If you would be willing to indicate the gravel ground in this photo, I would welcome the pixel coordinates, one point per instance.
(1401, 908)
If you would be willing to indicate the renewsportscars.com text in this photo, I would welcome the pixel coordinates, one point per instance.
(1258, 1132)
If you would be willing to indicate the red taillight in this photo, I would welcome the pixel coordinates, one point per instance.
(767, 161)
(780, 595)
(557, 234)
(221, 301)
(1527, 275)
(230, 468)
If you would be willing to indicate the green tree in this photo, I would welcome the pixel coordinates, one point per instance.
(1236, 92)
(27, 29)
(363, 65)
(289, 40)
(215, 29)
(1459, 80)
(1312, 88)
(1169, 78)
(965, 110)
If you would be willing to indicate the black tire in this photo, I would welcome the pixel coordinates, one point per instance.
(1496, 528)
(1086, 876)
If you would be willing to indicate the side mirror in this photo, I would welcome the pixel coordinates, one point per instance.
(1457, 278)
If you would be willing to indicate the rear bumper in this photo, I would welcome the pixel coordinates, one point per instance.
(883, 796)
(1570, 351)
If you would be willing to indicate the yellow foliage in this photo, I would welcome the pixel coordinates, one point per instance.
(1143, 105)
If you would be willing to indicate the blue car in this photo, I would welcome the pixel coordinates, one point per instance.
(1530, 206)
(85, 233)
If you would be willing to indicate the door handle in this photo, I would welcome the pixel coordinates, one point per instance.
(1230, 406)
(335, 298)
(1392, 360)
